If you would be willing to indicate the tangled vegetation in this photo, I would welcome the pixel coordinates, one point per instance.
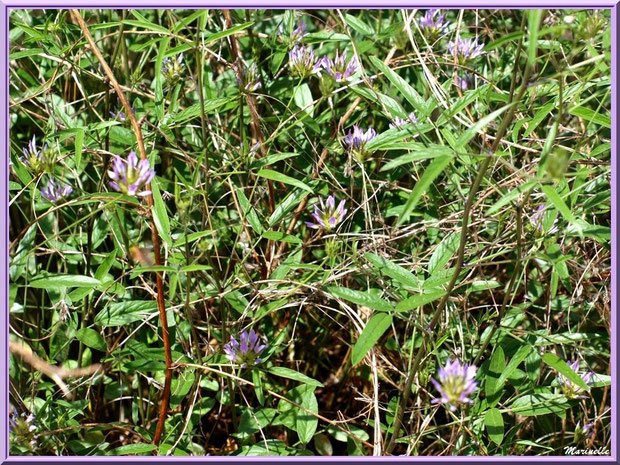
(321, 232)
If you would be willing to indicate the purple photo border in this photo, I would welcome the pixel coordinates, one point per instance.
(6, 6)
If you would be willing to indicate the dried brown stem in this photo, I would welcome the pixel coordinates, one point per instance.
(163, 409)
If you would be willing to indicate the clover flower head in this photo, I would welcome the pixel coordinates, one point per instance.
(246, 351)
(572, 390)
(456, 384)
(129, 176)
(23, 429)
(465, 49)
(340, 69)
(537, 218)
(302, 61)
(583, 433)
(329, 215)
(398, 122)
(172, 68)
(249, 81)
(298, 33)
(38, 161)
(433, 24)
(356, 141)
(55, 191)
(464, 81)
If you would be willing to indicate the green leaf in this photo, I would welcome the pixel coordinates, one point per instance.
(515, 361)
(283, 208)
(394, 271)
(122, 313)
(359, 25)
(303, 99)
(539, 404)
(403, 86)
(133, 449)
(468, 135)
(160, 214)
(562, 367)
(433, 170)
(419, 300)
(494, 424)
(444, 252)
(590, 115)
(509, 197)
(275, 176)
(361, 298)
(433, 151)
(373, 330)
(294, 375)
(533, 23)
(227, 32)
(497, 366)
(558, 203)
(280, 236)
(62, 281)
(92, 339)
(249, 212)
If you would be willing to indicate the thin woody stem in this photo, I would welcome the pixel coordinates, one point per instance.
(163, 408)
(484, 165)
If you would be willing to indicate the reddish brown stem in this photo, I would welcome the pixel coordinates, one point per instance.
(163, 407)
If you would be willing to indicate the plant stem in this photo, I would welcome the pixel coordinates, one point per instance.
(165, 396)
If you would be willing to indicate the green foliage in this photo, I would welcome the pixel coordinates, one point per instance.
(239, 171)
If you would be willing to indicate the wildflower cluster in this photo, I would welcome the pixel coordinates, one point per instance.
(328, 216)
(56, 191)
(172, 69)
(23, 428)
(433, 24)
(249, 80)
(130, 176)
(456, 383)
(38, 160)
(302, 61)
(356, 141)
(245, 352)
(572, 390)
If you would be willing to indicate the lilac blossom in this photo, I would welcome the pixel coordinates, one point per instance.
(55, 191)
(465, 49)
(456, 384)
(249, 81)
(572, 390)
(356, 141)
(38, 160)
(537, 218)
(340, 69)
(246, 351)
(302, 61)
(583, 433)
(129, 176)
(398, 122)
(172, 68)
(464, 81)
(432, 23)
(328, 216)
(298, 32)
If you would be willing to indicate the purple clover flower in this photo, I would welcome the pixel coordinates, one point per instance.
(22, 428)
(38, 160)
(465, 49)
(246, 351)
(433, 24)
(356, 141)
(456, 384)
(55, 191)
(328, 216)
(536, 220)
(250, 81)
(464, 81)
(398, 122)
(298, 33)
(340, 69)
(583, 433)
(129, 176)
(571, 390)
(172, 69)
(302, 61)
